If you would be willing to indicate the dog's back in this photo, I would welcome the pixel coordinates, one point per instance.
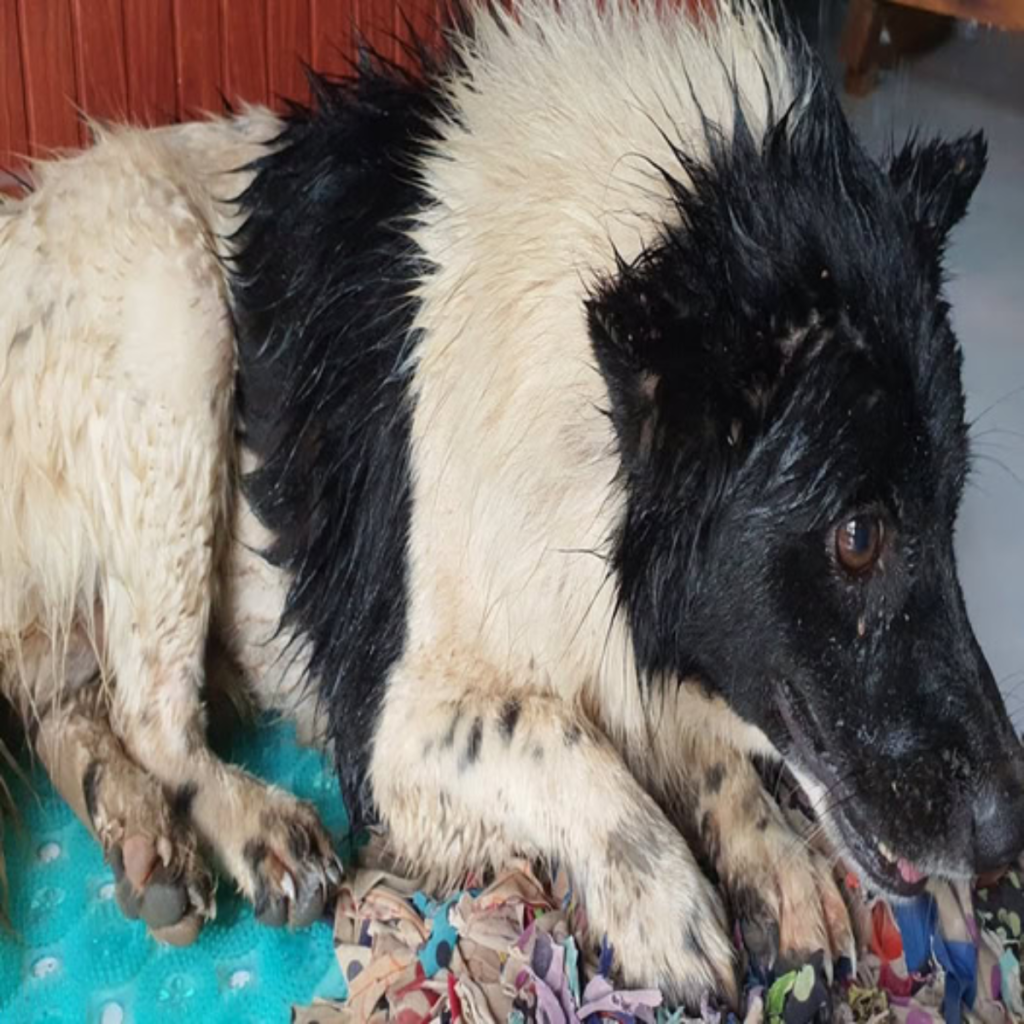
(96, 336)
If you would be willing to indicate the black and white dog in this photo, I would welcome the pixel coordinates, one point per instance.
(601, 431)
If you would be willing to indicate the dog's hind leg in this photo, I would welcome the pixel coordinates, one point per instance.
(146, 836)
(116, 393)
(170, 514)
(467, 767)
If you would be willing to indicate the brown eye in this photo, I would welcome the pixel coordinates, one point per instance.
(859, 543)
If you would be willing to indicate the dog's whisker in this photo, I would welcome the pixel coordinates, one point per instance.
(992, 460)
(971, 424)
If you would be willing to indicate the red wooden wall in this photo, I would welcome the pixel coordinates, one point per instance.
(154, 61)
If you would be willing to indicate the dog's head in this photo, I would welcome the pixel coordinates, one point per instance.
(786, 390)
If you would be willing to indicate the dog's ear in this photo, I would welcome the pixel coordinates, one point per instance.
(632, 380)
(935, 181)
(679, 379)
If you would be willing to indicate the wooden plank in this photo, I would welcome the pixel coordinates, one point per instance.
(1008, 14)
(377, 22)
(48, 58)
(244, 42)
(289, 46)
(13, 118)
(331, 24)
(197, 52)
(150, 59)
(416, 24)
(100, 71)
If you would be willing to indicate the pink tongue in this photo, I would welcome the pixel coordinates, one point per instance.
(908, 872)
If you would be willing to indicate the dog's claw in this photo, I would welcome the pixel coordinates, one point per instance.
(288, 886)
(164, 885)
(761, 940)
(293, 870)
(335, 872)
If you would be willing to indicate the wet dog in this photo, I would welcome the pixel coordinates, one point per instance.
(600, 432)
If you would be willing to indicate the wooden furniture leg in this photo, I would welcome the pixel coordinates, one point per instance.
(860, 47)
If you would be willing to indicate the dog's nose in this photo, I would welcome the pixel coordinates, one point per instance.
(999, 818)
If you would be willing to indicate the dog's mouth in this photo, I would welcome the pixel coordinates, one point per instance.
(869, 857)
(877, 865)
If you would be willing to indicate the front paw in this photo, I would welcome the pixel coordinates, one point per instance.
(163, 880)
(667, 924)
(290, 871)
(782, 893)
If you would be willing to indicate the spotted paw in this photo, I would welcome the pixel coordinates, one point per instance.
(160, 874)
(663, 918)
(691, 943)
(291, 870)
(783, 895)
(163, 880)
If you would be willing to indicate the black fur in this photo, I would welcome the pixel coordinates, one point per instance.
(779, 363)
(702, 384)
(321, 289)
(90, 787)
(448, 739)
(473, 744)
(510, 712)
(181, 800)
(780, 360)
(714, 778)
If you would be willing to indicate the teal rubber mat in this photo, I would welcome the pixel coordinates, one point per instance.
(74, 959)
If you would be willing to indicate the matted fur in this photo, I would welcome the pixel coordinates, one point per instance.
(563, 363)
(116, 403)
(539, 350)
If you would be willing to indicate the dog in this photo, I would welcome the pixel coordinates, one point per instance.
(565, 434)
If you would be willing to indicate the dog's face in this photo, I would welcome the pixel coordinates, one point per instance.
(786, 389)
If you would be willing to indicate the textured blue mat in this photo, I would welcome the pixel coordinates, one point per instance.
(75, 960)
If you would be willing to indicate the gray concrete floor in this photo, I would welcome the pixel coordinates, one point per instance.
(975, 80)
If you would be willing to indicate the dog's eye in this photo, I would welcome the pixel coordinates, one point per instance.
(859, 543)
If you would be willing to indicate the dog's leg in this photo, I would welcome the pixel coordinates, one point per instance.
(779, 888)
(163, 437)
(466, 768)
(271, 843)
(149, 843)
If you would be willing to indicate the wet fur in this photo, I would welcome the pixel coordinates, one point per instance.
(116, 405)
(651, 324)
(556, 367)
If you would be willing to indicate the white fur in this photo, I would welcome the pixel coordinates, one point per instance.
(117, 368)
(548, 168)
(114, 337)
(115, 397)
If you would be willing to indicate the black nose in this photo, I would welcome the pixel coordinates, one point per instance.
(999, 817)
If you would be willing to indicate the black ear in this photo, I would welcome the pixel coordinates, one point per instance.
(631, 378)
(935, 181)
(680, 376)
